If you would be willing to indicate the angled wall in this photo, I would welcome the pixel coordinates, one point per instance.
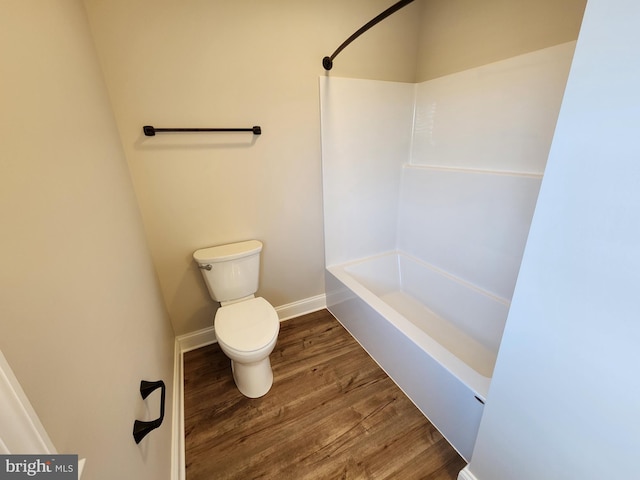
(564, 399)
(82, 318)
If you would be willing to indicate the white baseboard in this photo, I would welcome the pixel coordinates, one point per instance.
(301, 307)
(207, 336)
(465, 474)
(178, 471)
(201, 338)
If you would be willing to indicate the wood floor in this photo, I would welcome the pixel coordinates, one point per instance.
(332, 413)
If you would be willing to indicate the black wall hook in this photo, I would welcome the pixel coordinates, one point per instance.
(140, 428)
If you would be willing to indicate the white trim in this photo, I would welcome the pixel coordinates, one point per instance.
(178, 471)
(302, 307)
(465, 474)
(191, 341)
(206, 336)
(22, 431)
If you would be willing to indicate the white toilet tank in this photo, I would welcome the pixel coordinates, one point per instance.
(230, 271)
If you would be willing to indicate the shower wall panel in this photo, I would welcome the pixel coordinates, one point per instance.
(480, 143)
(447, 170)
(366, 137)
(500, 116)
(473, 225)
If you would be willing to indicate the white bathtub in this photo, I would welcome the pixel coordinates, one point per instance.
(435, 335)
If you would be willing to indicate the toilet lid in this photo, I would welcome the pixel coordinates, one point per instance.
(248, 325)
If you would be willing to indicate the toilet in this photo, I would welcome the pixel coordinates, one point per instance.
(246, 326)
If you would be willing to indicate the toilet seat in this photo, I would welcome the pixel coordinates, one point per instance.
(247, 326)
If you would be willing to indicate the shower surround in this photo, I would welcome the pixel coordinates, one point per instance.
(429, 191)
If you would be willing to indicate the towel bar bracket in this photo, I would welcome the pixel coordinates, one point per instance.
(142, 428)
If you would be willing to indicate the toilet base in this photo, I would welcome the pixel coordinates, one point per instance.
(253, 379)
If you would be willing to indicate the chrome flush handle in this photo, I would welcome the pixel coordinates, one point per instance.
(205, 267)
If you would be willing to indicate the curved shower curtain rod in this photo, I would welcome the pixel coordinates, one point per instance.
(327, 62)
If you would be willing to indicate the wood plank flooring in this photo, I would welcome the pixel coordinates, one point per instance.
(332, 413)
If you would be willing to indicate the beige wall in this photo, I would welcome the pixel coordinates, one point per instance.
(81, 317)
(225, 64)
(239, 63)
(79, 305)
(460, 34)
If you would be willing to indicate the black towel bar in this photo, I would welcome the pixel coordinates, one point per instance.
(150, 131)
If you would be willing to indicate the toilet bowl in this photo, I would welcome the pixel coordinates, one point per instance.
(246, 326)
(247, 332)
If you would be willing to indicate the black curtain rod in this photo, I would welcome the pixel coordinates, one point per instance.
(327, 62)
(150, 131)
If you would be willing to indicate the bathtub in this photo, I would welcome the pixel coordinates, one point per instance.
(435, 335)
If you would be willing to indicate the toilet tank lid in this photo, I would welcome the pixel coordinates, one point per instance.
(224, 253)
